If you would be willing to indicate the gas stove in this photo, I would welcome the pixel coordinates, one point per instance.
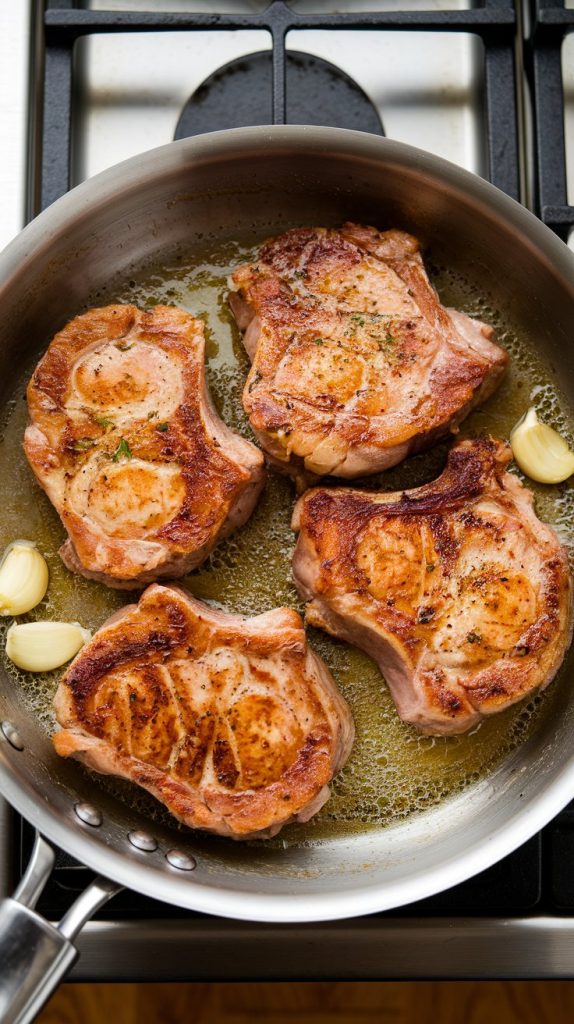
(489, 86)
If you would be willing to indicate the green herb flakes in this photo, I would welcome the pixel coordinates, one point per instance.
(103, 422)
(83, 444)
(122, 451)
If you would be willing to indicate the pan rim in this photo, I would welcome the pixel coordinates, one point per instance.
(250, 906)
(289, 908)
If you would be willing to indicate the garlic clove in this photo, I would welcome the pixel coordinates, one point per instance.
(43, 646)
(540, 451)
(23, 578)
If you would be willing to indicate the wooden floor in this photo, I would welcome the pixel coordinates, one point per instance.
(316, 1003)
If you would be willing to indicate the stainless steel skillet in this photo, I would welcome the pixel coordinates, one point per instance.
(233, 184)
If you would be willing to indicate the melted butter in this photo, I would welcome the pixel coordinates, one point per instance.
(392, 771)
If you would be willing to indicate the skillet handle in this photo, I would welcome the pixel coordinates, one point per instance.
(35, 955)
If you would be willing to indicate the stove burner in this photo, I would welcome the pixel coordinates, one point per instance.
(239, 94)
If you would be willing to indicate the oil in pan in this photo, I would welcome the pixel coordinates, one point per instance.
(392, 771)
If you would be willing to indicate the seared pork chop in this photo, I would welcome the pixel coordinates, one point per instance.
(456, 589)
(126, 443)
(233, 723)
(355, 363)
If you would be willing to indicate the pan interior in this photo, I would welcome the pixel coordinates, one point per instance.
(393, 772)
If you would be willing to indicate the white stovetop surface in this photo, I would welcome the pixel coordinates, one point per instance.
(426, 87)
(14, 53)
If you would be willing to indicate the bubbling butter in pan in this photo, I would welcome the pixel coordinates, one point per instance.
(392, 771)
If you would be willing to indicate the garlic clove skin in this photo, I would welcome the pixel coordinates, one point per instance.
(540, 451)
(43, 646)
(23, 578)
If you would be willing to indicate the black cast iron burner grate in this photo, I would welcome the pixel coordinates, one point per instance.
(239, 94)
(551, 23)
(493, 20)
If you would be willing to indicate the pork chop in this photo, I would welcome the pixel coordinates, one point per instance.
(126, 443)
(456, 589)
(355, 363)
(233, 723)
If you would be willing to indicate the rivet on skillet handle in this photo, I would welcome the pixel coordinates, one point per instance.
(12, 735)
(89, 814)
(142, 841)
(179, 859)
(35, 956)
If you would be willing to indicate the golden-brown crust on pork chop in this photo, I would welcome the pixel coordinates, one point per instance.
(233, 723)
(456, 588)
(127, 445)
(355, 363)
